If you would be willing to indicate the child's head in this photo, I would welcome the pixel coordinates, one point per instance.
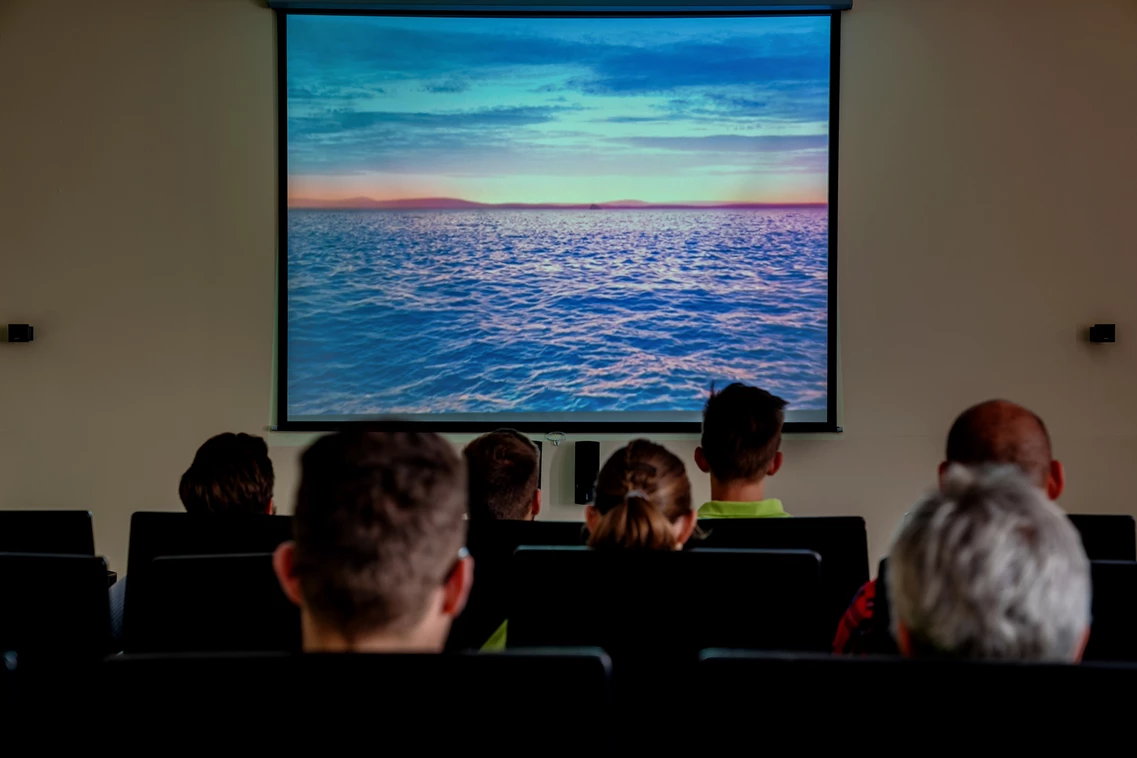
(378, 560)
(504, 469)
(742, 431)
(230, 474)
(643, 500)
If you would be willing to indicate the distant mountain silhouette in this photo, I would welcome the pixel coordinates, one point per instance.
(450, 203)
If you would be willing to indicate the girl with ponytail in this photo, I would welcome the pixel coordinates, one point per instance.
(643, 501)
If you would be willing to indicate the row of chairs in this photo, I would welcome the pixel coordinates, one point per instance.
(206, 583)
(565, 698)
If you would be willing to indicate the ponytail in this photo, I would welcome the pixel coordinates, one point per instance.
(634, 524)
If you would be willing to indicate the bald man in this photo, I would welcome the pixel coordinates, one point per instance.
(994, 432)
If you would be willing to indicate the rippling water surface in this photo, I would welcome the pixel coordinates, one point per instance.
(533, 310)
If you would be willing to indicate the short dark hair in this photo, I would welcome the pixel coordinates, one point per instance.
(999, 431)
(379, 523)
(742, 430)
(231, 473)
(504, 468)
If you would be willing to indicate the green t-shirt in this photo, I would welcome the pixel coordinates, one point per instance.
(759, 509)
(496, 643)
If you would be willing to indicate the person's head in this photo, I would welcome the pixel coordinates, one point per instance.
(503, 468)
(742, 431)
(230, 474)
(1000, 432)
(378, 561)
(643, 500)
(989, 568)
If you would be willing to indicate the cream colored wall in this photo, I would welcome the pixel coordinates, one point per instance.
(988, 185)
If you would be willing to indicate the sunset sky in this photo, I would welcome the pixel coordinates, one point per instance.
(559, 110)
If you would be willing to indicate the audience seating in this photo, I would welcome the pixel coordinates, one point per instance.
(54, 606)
(492, 544)
(841, 541)
(1109, 537)
(846, 701)
(172, 534)
(213, 603)
(653, 612)
(54, 532)
(1113, 636)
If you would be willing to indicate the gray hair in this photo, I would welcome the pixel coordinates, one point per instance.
(989, 568)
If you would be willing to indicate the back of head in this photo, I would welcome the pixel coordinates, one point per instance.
(742, 431)
(1000, 432)
(640, 491)
(503, 468)
(989, 568)
(379, 523)
(230, 474)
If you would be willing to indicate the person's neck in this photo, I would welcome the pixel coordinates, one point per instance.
(320, 639)
(738, 491)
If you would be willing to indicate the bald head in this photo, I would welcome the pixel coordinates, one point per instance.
(999, 431)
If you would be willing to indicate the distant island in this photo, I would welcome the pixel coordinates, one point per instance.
(454, 204)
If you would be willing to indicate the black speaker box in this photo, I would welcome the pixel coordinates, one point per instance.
(587, 466)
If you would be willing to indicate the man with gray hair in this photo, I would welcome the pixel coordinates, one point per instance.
(989, 568)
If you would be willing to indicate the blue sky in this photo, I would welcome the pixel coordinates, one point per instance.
(559, 110)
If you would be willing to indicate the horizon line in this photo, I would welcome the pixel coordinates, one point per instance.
(451, 203)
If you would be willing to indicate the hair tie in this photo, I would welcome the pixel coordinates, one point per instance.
(635, 493)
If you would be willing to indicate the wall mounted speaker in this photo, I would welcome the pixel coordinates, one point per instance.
(587, 467)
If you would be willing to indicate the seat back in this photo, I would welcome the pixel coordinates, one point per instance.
(841, 541)
(1107, 537)
(453, 700)
(54, 532)
(666, 605)
(153, 535)
(492, 545)
(54, 606)
(933, 701)
(1113, 636)
(213, 603)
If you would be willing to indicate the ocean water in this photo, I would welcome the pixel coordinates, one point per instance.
(553, 310)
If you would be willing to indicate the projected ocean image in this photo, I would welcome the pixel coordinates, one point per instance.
(555, 215)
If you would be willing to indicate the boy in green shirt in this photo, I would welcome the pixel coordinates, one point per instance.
(742, 431)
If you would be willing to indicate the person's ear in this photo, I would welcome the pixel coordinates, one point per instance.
(944, 466)
(592, 518)
(1056, 481)
(776, 464)
(701, 460)
(457, 588)
(685, 527)
(536, 507)
(903, 641)
(284, 564)
(272, 507)
(1081, 649)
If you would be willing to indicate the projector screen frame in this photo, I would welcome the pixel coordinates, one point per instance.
(399, 422)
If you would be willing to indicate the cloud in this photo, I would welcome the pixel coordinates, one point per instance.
(679, 66)
(452, 85)
(371, 94)
(730, 143)
(346, 121)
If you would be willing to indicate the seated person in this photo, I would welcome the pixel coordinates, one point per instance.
(379, 562)
(643, 502)
(742, 431)
(230, 474)
(503, 469)
(993, 432)
(989, 568)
